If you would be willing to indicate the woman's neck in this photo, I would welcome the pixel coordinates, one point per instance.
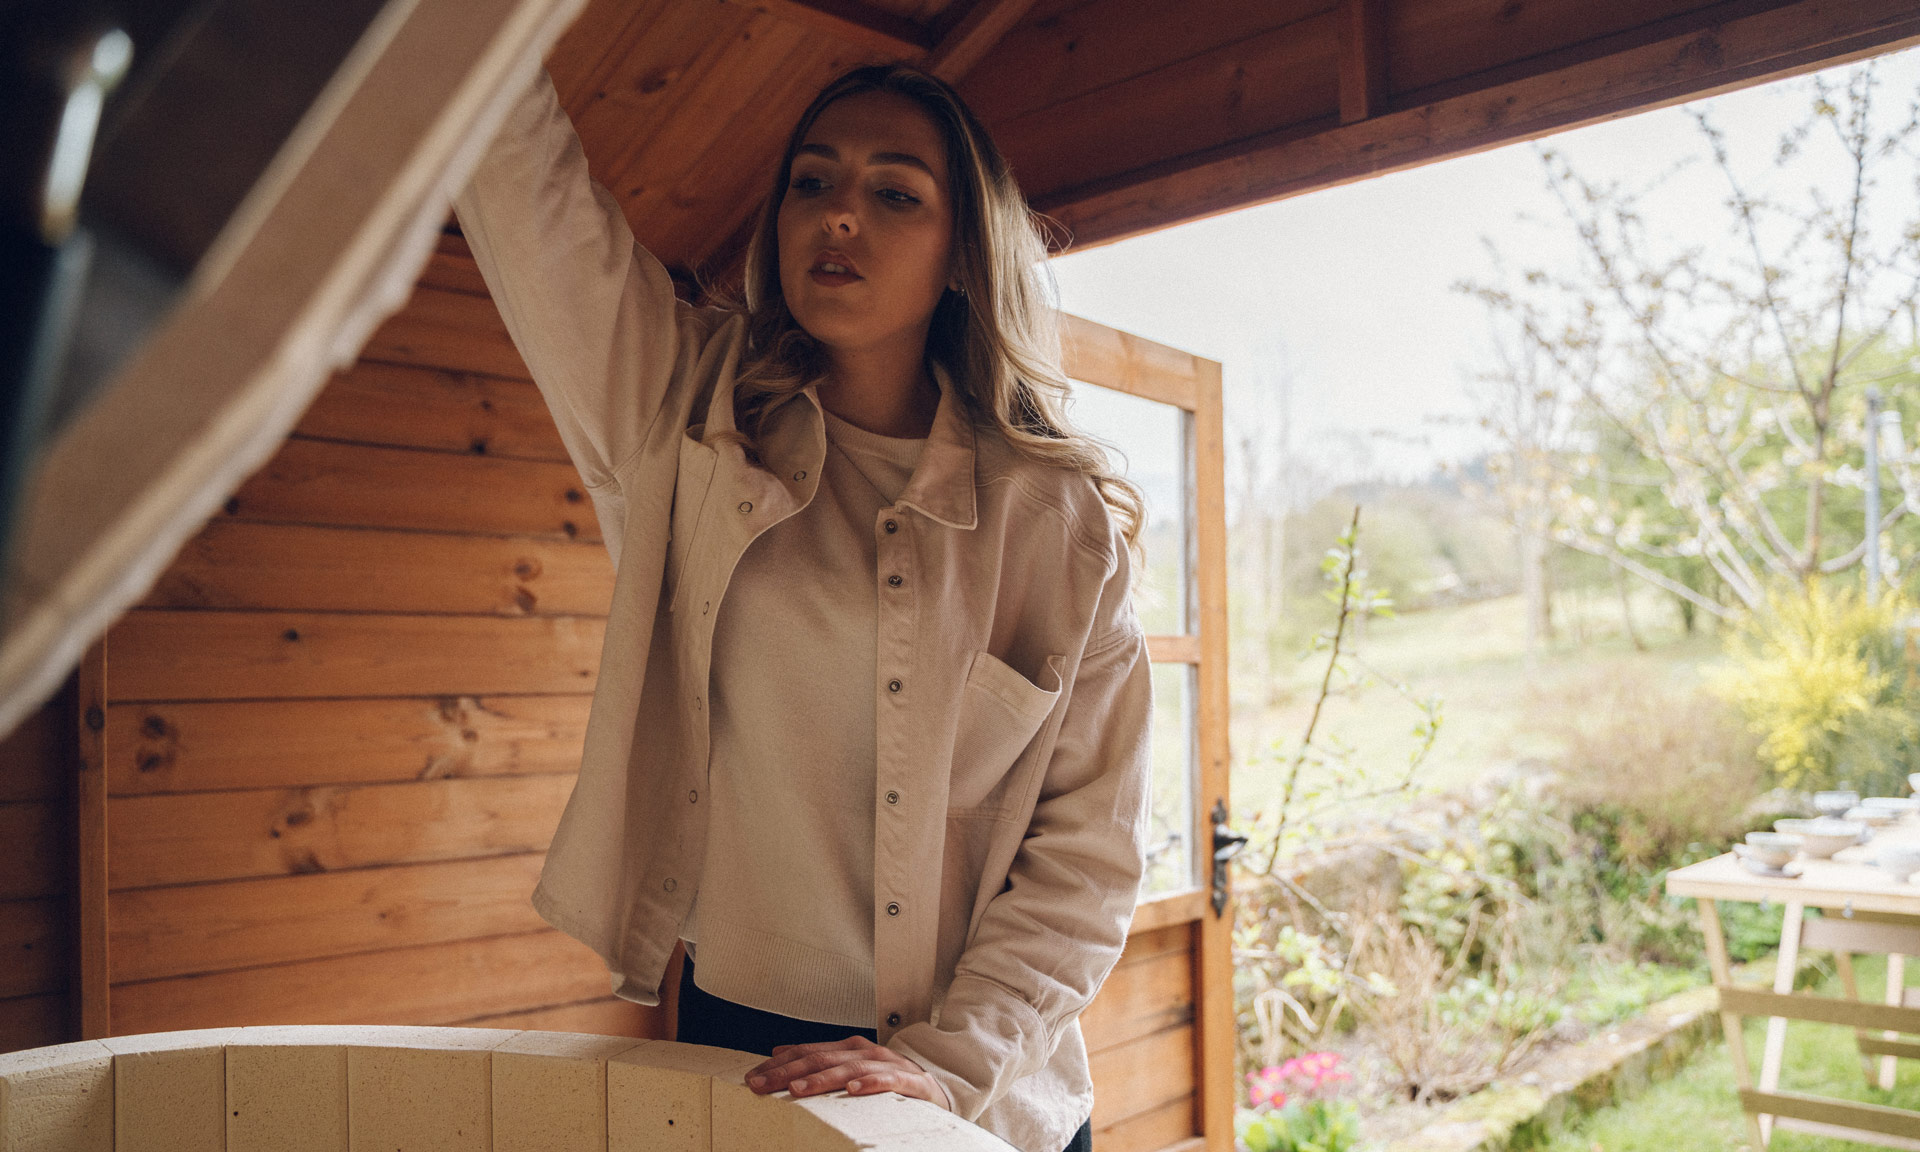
(884, 391)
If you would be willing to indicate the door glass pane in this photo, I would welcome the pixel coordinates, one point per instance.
(1148, 441)
(1171, 859)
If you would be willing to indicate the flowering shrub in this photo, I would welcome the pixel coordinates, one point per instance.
(1286, 1118)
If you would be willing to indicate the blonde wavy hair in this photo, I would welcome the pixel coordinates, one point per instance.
(998, 338)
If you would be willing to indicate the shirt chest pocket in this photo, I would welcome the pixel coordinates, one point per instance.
(1000, 712)
(691, 484)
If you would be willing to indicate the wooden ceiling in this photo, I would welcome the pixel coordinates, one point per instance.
(1122, 116)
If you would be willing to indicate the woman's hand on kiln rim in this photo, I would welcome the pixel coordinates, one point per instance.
(856, 1064)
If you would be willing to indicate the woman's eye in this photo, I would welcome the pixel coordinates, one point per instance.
(898, 197)
(807, 183)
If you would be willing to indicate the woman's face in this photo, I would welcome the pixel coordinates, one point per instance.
(866, 223)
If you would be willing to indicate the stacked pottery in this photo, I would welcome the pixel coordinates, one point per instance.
(1824, 836)
(1899, 861)
(1768, 853)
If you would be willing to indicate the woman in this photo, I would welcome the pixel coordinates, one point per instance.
(870, 732)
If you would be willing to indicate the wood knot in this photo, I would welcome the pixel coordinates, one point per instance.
(526, 568)
(525, 600)
(298, 817)
(479, 446)
(573, 496)
(154, 727)
(569, 528)
(290, 634)
(233, 506)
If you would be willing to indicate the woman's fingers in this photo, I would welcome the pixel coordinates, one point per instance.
(856, 1064)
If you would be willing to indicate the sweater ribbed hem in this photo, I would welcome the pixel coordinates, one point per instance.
(775, 974)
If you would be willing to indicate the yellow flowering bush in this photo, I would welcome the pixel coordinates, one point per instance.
(1828, 683)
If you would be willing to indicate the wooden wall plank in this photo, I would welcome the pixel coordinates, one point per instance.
(1054, 57)
(406, 406)
(34, 755)
(1140, 999)
(1145, 945)
(452, 267)
(607, 1016)
(161, 932)
(199, 746)
(33, 1022)
(1277, 79)
(444, 983)
(1152, 1131)
(197, 837)
(251, 565)
(442, 329)
(361, 486)
(34, 956)
(1142, 1075)
(294, 655)
(35, 864)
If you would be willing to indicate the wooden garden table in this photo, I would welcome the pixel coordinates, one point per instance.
(1863, 911)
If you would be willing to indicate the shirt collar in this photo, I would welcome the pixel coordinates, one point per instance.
(942, 485)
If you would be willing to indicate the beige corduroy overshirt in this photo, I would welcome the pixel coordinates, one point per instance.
(1012, 691)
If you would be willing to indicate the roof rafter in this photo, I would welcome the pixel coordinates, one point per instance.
(857, 23)
(964, 41)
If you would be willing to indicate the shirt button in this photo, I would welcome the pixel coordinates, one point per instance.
(892, 909)
(893, 797)
(893, 685)
(893, 1019)
(746, 506)
(669, 884)
(704, 605)
(892, 527)
(893, 581)
(800, 475)
(693, 796)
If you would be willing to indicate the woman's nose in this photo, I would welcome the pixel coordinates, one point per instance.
(839, 217)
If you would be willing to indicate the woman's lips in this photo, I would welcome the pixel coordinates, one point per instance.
(831, 279)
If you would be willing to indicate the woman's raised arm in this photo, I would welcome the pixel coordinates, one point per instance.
(591, 311)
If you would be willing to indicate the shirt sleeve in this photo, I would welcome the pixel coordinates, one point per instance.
(1046, 943)
(591, 311)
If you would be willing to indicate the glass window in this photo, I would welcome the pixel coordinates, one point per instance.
(1170, 851)
(1149, 442)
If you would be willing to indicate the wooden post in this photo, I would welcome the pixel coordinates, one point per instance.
(1214, 1042)
(92, 986)
(1363, 60)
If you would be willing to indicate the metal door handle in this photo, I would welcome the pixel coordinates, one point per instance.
(1226, 845)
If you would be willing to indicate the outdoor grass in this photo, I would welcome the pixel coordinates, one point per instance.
(1474, 657)
(1698, 1111)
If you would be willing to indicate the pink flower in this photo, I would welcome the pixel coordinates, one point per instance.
(1267, 1087)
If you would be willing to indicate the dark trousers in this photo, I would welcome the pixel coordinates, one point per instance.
(707, 1019)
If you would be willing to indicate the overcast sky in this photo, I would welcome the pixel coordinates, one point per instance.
(1350, 289)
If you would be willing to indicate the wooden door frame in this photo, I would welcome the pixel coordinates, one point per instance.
(1123, 362)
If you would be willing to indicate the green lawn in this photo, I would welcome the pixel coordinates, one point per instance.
(1497, 702)
(1697, 1110)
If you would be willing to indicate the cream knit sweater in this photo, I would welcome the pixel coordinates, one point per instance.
(783, 920)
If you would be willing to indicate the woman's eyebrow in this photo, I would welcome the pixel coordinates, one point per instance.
(827, 151)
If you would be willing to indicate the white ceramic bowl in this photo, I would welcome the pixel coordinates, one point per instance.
(1835, 802)
(1899, 863)
(1873, 817)
(1824, 836)
(1899, 805)
(1774, 858)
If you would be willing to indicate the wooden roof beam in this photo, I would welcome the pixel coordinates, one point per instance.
(1363, 60)
(1740, 48)
(964, 41)
(874, 29)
